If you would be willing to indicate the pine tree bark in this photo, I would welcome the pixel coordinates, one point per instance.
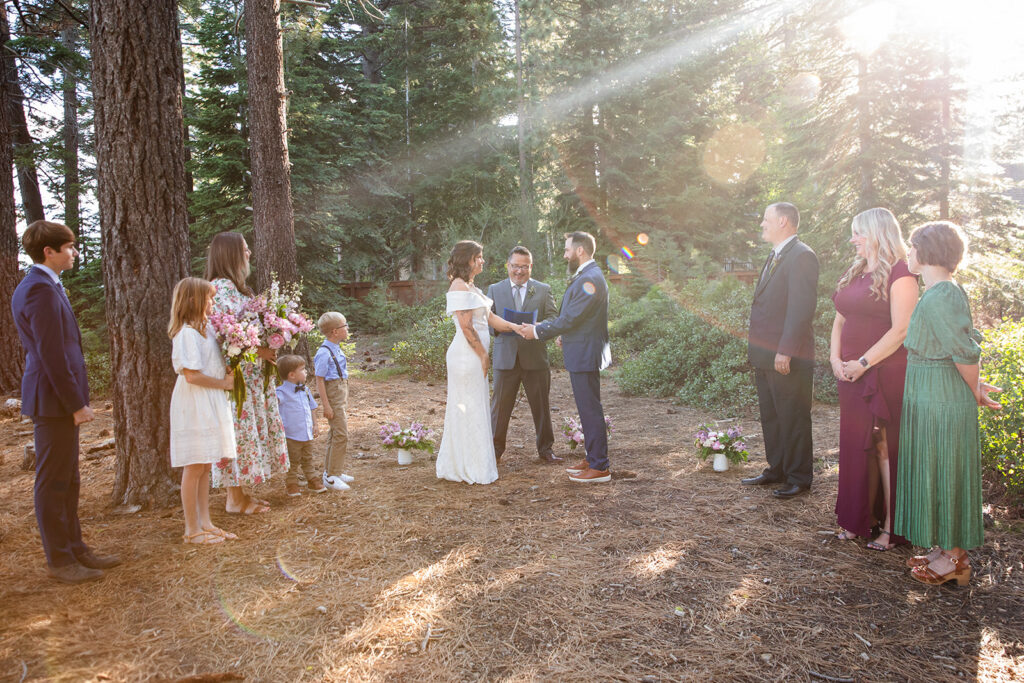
(69, 87)
(28, 180)
(273, 218)
(11, 368)
(527, 222)
(136, 67)
(866, 190)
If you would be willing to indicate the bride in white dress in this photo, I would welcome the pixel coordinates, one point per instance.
(467, 446)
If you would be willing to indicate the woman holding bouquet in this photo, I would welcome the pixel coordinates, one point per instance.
(258, 430)
(874, 300)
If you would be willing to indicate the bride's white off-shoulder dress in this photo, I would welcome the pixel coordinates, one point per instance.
(467, 446)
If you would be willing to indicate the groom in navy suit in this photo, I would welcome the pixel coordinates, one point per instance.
(55, 394)
(582, 323)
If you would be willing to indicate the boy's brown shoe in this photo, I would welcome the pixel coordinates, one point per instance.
(292, 490)
(317, 486)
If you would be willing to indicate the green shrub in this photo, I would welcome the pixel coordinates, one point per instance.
(1002, 431)
(378, 314)
(689, 341)
(640, 324)
(424, 348)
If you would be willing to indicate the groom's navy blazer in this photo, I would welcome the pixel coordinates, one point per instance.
(582, 322)
(54, 383)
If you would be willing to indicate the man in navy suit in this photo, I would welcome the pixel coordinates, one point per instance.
(55, 394)
(582, 324)
(781, 349)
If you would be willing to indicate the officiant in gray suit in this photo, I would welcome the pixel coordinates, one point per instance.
(518, 361)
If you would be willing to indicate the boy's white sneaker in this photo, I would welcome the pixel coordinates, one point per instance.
(348, 479)
(335, 483)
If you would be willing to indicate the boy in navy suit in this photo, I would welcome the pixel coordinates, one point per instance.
(55, 394)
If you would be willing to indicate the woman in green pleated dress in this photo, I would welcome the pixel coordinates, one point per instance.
(938, 487)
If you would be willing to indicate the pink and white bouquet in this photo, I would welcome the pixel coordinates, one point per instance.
(277, 312)
(414, 437)
(573, 430)
(712, 441)
(239, 339)
(278, 318)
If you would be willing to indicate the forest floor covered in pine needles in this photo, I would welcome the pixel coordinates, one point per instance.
(670, 572)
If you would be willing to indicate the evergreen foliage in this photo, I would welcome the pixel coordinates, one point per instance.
(1002, 431)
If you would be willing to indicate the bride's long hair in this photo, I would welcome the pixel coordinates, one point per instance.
(882, 236)
(460, 263)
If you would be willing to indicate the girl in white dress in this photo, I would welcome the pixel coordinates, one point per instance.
(202, 431)
(467, 446)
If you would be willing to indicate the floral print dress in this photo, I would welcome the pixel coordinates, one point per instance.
(259, 434)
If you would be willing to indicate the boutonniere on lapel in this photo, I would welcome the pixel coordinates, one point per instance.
(529, 291)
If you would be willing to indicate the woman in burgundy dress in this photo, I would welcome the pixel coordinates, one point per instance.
(874, 300)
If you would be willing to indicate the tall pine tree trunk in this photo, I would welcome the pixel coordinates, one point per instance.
(945, 146)
(69, 87)
(31, 200)
(136, 67)
(527, 223)
(866, 190)
(10, 369)
(273, 220)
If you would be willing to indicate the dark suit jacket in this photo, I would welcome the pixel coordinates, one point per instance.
(55, 382)
(533, 354)
(582, 322)
(783, 309)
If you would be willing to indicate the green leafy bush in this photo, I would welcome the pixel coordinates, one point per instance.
(689, 341)
(1002, 431)
(424, 348)
(642, 323)
(379, 314)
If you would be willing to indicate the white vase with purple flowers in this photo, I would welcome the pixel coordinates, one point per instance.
(727, 446)
(414, 437)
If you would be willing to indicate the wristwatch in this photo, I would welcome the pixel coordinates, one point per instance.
(864, 362)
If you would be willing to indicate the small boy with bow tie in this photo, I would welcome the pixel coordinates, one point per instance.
(297, 406)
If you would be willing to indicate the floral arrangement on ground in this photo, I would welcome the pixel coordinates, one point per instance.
(414, 437)
(713, 441)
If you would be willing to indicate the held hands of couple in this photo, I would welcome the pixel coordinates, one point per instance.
(527, 331)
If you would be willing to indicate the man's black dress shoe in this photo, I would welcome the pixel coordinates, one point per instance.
(75, 573)
(759, 480)
(550, 458)
(94, 561)
(790, 491)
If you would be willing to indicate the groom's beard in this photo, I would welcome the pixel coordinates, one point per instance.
(574, 265)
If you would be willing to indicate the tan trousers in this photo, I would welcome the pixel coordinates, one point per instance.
(300, 454)
(337, 437)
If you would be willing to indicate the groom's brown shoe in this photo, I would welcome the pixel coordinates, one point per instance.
(576, 469)
(589, 476)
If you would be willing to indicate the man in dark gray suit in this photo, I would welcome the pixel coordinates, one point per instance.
(781, 349)
(518, 361)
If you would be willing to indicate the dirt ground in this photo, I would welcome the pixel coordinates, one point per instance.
(671, 572)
